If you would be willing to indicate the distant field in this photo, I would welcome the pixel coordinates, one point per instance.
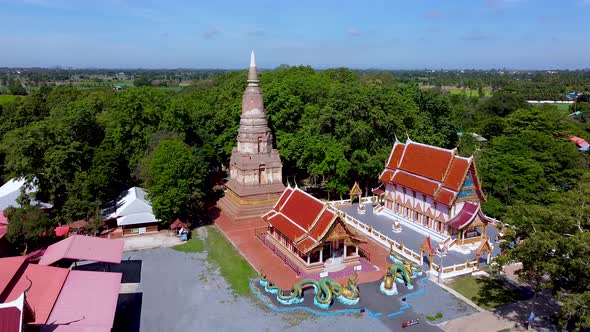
(458, 91)
(470, 93)
(5, 99)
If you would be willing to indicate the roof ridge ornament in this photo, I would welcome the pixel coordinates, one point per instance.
(252, 59)
(252, 73)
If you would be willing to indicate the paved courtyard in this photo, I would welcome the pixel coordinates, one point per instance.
(410, 237)
(179, 292)
(176, 291)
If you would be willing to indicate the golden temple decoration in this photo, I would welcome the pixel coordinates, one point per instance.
(355, 191)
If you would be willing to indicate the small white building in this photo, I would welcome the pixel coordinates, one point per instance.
(133, 213)
(11, 190)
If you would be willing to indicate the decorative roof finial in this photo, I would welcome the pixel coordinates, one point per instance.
(252, 74)
(252, 59)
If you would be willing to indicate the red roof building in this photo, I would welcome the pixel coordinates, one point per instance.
(438, 189)
(310, 232)
(84, 248)
(58, 298)
(12, 315)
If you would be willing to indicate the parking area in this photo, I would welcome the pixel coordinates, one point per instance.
(180, 292)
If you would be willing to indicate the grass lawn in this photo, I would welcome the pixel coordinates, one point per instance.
(221, 253)
(485, 292)
(5, 99)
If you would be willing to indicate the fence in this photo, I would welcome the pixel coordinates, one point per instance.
(455, 270)
(364, 200)
(262, 235)
(400, 249)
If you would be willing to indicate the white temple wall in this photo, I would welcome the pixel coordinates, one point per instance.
(456, 208)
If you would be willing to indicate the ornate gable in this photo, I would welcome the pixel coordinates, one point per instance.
(355, 190)
(468, 190)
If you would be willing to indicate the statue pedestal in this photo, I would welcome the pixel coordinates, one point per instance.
(388, 292)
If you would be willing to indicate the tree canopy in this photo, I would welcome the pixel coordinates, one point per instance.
(332, 128)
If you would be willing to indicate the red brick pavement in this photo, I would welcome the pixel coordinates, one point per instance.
(242, 235)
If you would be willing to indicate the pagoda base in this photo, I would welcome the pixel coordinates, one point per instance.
(248, 206)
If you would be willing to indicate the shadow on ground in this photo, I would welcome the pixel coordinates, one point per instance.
(128, 315)
(131, 269)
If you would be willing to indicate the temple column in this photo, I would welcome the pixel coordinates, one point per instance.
(344, 250)
(421, 258)
(322, 255)
(307, 259)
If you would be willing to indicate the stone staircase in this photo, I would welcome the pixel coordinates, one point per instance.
(334, 265)
(237, 212)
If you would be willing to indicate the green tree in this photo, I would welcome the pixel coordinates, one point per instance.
(175, 176)
(28, 226)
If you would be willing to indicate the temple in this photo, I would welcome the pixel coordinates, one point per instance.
(255, 170)
(311, 234)
(436, 188)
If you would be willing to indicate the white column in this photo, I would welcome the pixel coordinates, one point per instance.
(357, 250)
(321, 256)
(344, 250)
(307, 259)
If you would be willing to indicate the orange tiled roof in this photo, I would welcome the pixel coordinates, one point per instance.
(306, 244)
(301, 217)
(426, 161)
(302, 208)
(396, 155)
(417, 183)
(456, 174)
(322, 224)
(427, 169)
(285, 226)
(445, 197)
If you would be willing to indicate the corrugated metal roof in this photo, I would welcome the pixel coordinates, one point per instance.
(132, 209)
(87, 299)
(87, 248)
(46, 283)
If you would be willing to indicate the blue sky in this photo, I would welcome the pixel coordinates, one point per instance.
(391, 34)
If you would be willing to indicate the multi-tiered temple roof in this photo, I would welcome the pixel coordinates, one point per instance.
(303, 219)
(430, 170)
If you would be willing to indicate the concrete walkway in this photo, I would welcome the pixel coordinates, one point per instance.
(511, 316)
(481, 322)
(150, 241)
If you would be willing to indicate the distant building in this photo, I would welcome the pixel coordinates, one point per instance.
(9, 194)
(132, 213)
(119, 87)
(49, 298)
(580, 142)
(11, 191)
